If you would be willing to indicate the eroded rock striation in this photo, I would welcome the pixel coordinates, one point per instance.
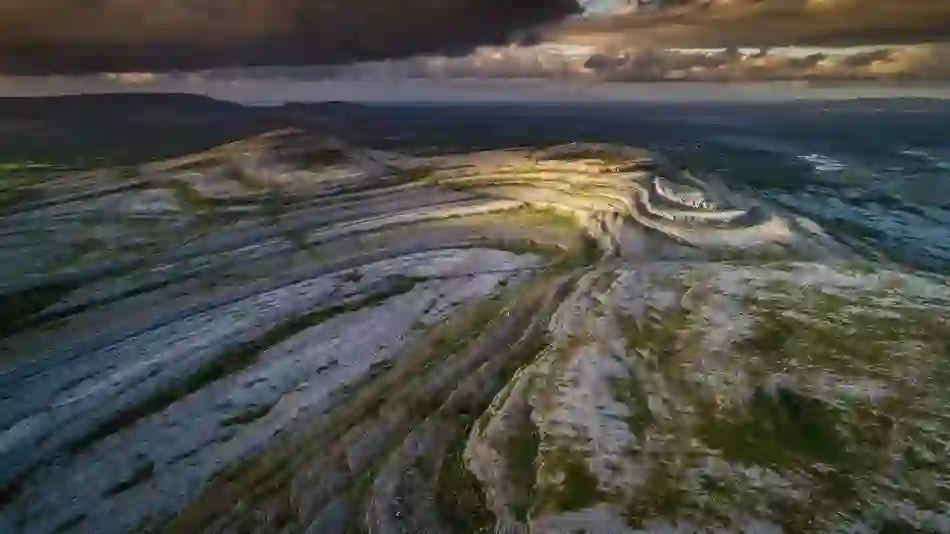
(293, 334)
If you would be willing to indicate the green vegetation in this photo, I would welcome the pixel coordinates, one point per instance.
(832, 442)
(606, 154)
(631, 393)
(522, 454)
(780, 429)
(459, 494)
(11, 167)
(578, 489)
(661, 497)
(20, 181)
(536, 215)
(853, 334)
(660, 332)
(418, 174)
(190, 198)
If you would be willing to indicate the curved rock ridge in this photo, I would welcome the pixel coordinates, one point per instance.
(616, 192)
(293, 334)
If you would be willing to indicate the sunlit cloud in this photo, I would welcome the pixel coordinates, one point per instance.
(719, 23)
(644, 64)
(133, 78)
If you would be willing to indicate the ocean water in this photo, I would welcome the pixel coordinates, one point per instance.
(875, 173)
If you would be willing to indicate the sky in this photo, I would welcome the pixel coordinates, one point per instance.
(193, 43)
(603, 7)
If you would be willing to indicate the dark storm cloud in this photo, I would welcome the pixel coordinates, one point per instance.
(70, 36)
(719, 23)
(74, 36)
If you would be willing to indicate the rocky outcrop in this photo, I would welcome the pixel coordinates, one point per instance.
(791, 397)
(293, 334)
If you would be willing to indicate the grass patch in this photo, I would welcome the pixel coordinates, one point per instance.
(459, 497)
(660, 497)
(418, 174)
(459, 492)
(522, 453)
(631, 393)
(191, 198)
(779, 430)
(11, 167)
(577, 490)
(606, 154)
(849, 335)
(661, 332)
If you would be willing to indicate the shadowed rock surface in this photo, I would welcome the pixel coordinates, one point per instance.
(296, 333)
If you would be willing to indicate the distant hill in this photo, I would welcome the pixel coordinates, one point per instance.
(129, 128)
(82, 130)
(86, 104)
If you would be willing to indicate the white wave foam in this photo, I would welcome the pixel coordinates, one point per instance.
(821, 163)
(928, 157)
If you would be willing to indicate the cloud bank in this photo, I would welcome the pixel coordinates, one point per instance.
(930, 62)
(722, 23)
(73, 36)
(926, 62)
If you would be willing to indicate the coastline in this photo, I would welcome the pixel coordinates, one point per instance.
(527, 91)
